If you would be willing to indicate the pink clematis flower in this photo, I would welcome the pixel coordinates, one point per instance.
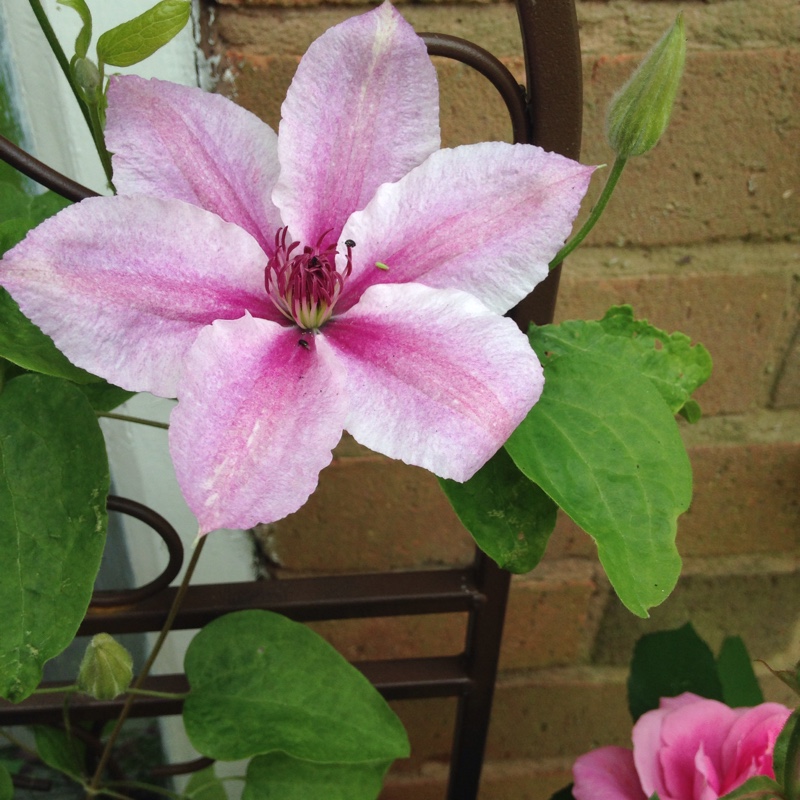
(347, 274)
(690, 748)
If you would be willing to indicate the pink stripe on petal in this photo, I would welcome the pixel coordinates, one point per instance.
(435, 378)
(123, 285)
(484, 218)
(180, 142)
(257, 417)
(363, 109)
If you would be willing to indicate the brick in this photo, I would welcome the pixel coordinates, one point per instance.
(756, 599)
(745, 500)
(743, 319)
(371, 513)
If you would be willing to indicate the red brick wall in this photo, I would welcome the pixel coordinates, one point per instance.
(702, 236)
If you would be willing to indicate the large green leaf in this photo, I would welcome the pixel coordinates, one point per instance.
(138, 38)
(668, 663)
(279, 777)
(675, 366)
(53, 488)
(509, 517)
(740, 686)
(604, 446)
(105, 396)
(260, 683)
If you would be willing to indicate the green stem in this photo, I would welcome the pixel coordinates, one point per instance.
(153, 693)
(595, 214)
(94, 786)
(91, 118)
(57, 689)
(137, 420)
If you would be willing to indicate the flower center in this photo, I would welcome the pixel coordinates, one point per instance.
(304, 285)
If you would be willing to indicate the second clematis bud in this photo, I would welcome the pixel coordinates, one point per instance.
(106, 670)
(640, 112)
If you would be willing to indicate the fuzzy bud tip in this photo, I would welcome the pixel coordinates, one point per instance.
(106, 670)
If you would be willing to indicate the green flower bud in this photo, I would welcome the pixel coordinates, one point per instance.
(640, 111)
(106, 670)
(87, 76)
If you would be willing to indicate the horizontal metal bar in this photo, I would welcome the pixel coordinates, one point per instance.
(300, 599)
(400, 679)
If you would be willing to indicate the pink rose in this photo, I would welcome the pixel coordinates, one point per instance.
(690, 748)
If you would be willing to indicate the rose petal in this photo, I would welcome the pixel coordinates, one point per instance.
(123, 285)
(180, 142)
(435, 378)
(363, 109)
(257, 417)
(484, 218)
(606, 774)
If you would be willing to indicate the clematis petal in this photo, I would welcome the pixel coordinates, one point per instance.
(363, 109)
(607, 773)
(180, 142)
(435, 378)
(123, 285)
(485, 218)
(257, 417)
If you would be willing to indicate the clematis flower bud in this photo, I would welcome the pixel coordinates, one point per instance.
(640, 112)
(106, 670)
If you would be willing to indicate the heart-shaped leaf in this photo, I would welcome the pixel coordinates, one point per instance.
(260, 683)
(279, 777)
(603, 445)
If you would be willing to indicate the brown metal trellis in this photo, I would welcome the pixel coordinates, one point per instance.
(548, 114)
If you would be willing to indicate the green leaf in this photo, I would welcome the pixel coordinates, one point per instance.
(46, 205)
(22, 343)
(138, 38)
(59, 751)
(606, 449)
(758, 788)
(668, 663)
(280, 777)
(509, 517)
(6, 784)
(205, 785)
(739, 683)
(105, 396)
(675, 366)
(564, 794)
(53, 488)
(260, 683)
(786, 757)
(791, 677)
(85, 35)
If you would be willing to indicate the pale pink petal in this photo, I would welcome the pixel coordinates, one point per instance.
(647, 741)
(435, 378)
(123, 285)
(606, 774)
(363, 109)
(257, 417)
(180, 142)
(749, 745)
(684, 731)
(483, 218)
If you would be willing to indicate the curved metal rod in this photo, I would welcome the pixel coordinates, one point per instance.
(41, 173)
(182, 768)
(168, 534)
(488, 65)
